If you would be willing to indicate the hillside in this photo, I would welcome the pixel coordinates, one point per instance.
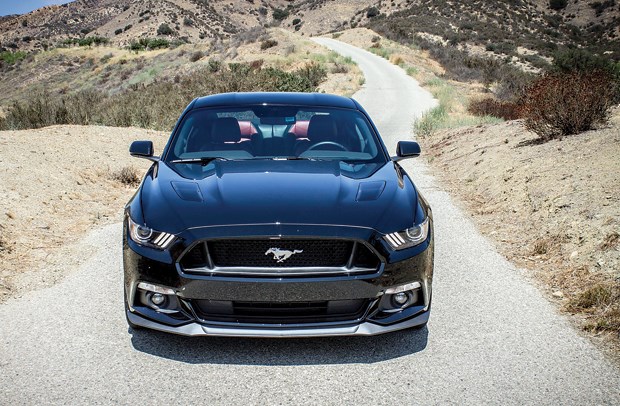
(551, 208)
(528, 31)
(523, 31)
(121, 21)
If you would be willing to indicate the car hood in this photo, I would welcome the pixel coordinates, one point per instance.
(276, 192)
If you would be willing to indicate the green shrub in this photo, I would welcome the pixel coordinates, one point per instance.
(12, 57)
(148, 43)
(164, 29)
(575, 59)
(430, 121)
(214, 65)
(297, 21)
(87, 41)
(280, 14)
(118, 31)
(560, 104)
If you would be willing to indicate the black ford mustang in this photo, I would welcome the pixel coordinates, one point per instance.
(277, 215)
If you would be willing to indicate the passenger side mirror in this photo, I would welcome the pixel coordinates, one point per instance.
(143, 149)
(406, 149)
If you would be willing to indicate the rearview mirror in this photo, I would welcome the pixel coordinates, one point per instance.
(143, 149)
(406, 149)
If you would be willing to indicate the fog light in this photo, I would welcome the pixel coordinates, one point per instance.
(400, 299)
(158, 299)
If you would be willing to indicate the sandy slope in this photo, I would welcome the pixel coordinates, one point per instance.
(56, 184)
(551, 208)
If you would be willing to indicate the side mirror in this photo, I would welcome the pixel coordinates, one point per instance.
(143, 149)
(406, 149)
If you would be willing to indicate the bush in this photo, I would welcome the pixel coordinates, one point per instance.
(12, 57)
(158, 104)
(372, 12)
(164, 29)
(495, 108)
(560, 104)
(569, 60)
(280, 14)
(128, 175)
(214, 65)
(430, 121)
(118, 31)
(196, 56)
(148, 43)
(269, 43)
(88, 41)
(297, 21)
(558, 4)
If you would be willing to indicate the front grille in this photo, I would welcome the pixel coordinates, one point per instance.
(280, 312)
(281, 258)
(265, 254)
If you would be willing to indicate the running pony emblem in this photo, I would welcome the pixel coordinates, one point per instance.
(281, 255)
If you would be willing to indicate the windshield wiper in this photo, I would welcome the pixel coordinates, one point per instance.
(205, 160)
(291, 158)
(356, 161)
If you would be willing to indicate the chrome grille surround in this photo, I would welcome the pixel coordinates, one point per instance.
(251, 258)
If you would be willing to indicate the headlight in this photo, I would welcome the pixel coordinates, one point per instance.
(409, 237)
(148, 237)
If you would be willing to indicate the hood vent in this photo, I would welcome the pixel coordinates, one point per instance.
(368, 191)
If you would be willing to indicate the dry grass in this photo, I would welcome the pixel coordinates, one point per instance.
(5, 246)
(611, 241)
(127, 175)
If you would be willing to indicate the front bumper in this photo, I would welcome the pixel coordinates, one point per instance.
(196, 329)
(146, 265)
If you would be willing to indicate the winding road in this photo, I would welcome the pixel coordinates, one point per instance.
(492, 336)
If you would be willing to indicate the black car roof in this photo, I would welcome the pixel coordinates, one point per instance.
(281, 98)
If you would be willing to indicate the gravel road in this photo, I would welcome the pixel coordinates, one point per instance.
(492, 337)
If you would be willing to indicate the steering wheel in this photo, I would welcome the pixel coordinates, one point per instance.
(320, 144)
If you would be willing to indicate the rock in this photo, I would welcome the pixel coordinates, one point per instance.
(558, 294)
(574, 255)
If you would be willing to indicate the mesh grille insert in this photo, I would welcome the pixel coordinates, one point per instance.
(280, 253)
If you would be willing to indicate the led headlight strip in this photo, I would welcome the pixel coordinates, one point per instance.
(163, 240)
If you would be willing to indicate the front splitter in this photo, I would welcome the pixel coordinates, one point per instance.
(363, 329)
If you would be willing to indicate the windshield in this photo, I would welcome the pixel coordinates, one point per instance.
(275, 132)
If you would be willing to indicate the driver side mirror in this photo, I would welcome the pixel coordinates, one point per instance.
(143, 149)
(406, 149)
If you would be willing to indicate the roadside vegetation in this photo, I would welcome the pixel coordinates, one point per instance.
(574, 93)
(156, 105)
(145, 86)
